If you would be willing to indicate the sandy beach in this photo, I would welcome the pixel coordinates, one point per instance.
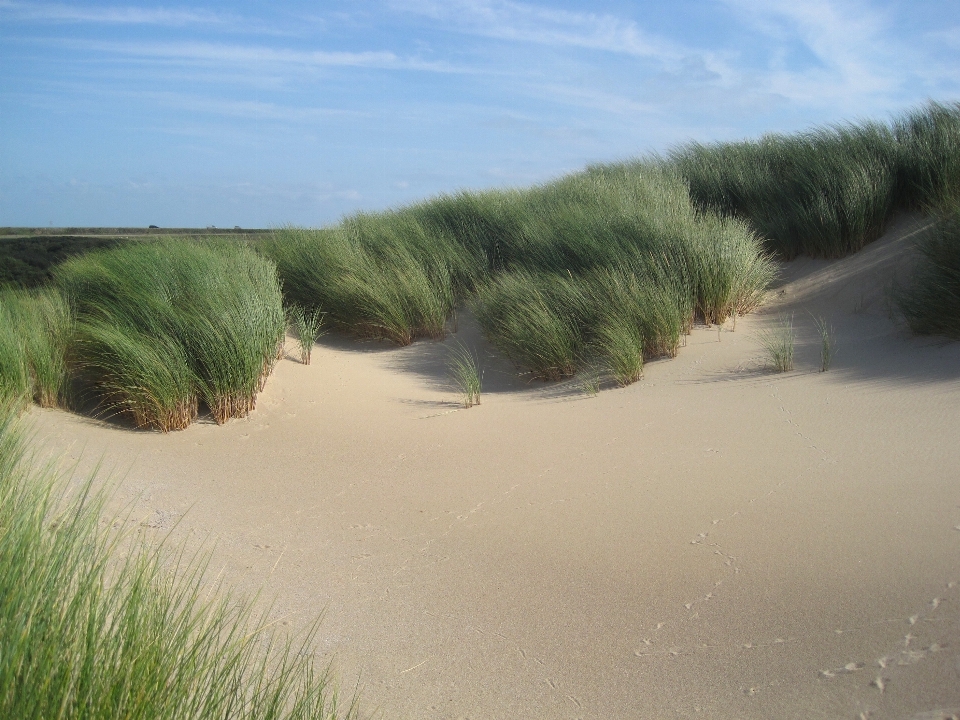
(714, 541)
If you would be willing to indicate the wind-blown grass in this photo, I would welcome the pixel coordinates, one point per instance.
(827, 342)
(591, 267)
(929, 159)
(466, 374)
(99, 625)
(823, 193)
(382, 276)
(161, 326)
(624, 264)
(830, 191)
(551, 272)
(778, 342)
(536, 320)
(307, 326)
(930, 301)
(35, 328)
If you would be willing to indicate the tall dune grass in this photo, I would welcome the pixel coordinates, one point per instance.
(98, 625)
(35, 328)
(929, 143)
(824, 193)
(162, 326)
(830, 191)
(537, 320)
(623, 265)
(537, 267)
(930, 301)
(615, 263)
(382, 276)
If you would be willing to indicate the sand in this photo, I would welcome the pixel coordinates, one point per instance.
(714, 541)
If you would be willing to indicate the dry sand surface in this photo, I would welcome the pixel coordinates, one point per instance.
(715, 541)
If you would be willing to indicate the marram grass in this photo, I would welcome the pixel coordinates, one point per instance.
(467, 376)
(307, 326)
(829, 191)
(162, 326)
(100, 625)
(35, 329)
(778, 342)
(930, 301)
(573, 272)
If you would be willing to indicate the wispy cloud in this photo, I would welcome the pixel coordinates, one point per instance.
(256, 55)
(546, 26)
(117, 15)
(853, 48)
(250, 109)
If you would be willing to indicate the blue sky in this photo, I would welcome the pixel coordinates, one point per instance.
(261, 114)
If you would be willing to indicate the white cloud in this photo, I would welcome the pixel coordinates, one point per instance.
(526, 22)
(57, 12)
(855, 47)
(233, 55)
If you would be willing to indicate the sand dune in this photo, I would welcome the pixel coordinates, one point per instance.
(715, 541)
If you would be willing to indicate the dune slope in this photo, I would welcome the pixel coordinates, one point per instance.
(715, 541)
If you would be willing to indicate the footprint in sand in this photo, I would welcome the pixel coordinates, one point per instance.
(850, 667)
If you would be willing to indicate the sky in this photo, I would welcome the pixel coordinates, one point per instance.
(273, 113)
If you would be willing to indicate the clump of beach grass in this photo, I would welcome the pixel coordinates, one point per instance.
(930, 299)
(589, 383)
(307, 325)
(534, 263)
(827, 342)
(161, 326)
(96, 623)
(621, 347)
(35, 330)
(778, 342)
(383, 276)
(466, 373)
(536, 319)
(830, 191)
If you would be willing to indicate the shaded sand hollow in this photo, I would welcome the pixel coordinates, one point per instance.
(715, 541)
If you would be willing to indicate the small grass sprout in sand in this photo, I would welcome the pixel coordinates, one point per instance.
(466, 374)
(590, 382)
(778, 342)
(827, 342)
(307, 325)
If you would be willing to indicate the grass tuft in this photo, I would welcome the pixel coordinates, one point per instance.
(164, 325)
(827, 342)
(590, 382)
(466, 373)
(778, 342)
(35, 329)
(930, 302)
(307, 325)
